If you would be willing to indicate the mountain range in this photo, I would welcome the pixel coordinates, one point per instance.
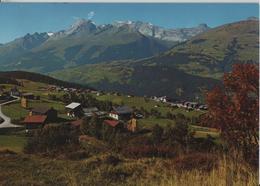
(87, 43)
(136, 57)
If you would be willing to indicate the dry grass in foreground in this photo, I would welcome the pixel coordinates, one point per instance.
(109, 169)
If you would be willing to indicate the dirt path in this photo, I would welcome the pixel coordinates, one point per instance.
(7, 121)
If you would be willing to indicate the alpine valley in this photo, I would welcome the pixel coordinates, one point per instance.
(134, 57)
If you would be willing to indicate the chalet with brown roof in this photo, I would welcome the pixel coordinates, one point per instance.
(51, 113)
(35, 121)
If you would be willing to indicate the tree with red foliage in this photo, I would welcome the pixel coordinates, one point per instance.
(234, 109)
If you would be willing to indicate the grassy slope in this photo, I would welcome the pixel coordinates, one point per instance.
(139, 102)
(16, 112)
(211, 53)
(112, 72)
(32, 170)
(12, 142)
(35, 77)
(134, 78)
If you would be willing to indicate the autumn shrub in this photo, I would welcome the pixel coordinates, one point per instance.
(234, 109)
(179, 136)
(52, 138)
(205, 144)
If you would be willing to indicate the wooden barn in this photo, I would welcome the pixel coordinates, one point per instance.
(51, 113)
(35, 121)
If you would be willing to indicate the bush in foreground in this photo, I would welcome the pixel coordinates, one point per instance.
(52, 138)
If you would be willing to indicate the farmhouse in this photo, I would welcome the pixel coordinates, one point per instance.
(74, 110)
(51, 113)
(35, 121)
(121, 113)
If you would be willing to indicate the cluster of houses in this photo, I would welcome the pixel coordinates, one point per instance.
(189, 105)
(163, 99)
(181, 104)
(118, 118)
(121, 117)
(75, 90)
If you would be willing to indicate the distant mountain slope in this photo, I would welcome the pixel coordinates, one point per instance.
(213, 52)
(10, 77)
(138, 79)
(87, 43)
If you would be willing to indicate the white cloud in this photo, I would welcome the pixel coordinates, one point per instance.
(91, 14)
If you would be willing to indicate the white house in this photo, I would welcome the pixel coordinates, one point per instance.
(74, 109)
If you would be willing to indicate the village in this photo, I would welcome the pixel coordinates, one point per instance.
(121, 117)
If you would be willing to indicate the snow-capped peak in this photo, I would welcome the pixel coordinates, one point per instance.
(50, 34)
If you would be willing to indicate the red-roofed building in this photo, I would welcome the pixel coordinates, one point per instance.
(35, 121)
(113, 124)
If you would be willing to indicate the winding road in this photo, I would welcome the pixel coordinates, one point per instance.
(7, 121)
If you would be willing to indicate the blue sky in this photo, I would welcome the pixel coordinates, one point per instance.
(18, 19)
